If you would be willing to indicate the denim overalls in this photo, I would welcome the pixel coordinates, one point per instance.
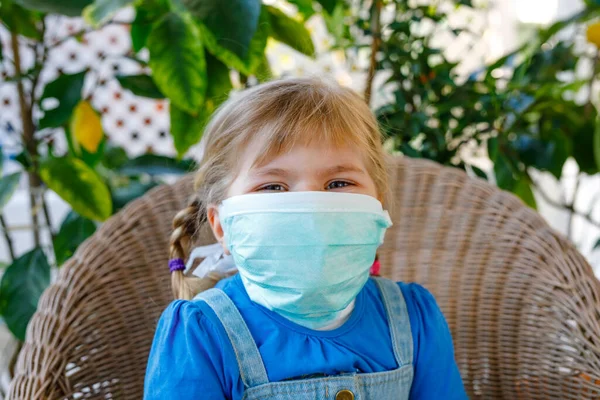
(393, 384)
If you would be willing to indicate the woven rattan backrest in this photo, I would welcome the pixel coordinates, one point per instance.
(522, 303)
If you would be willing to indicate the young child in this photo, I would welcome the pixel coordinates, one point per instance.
(292, 183)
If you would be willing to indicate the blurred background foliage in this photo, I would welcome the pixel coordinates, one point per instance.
(194, 47)
(518, 110)
(517, 107)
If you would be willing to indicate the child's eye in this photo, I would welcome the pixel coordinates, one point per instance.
(273, 187)
(337, 185)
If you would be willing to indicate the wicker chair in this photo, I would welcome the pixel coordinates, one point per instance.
(523, 305)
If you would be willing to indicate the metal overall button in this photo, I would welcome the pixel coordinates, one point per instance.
(344, 395)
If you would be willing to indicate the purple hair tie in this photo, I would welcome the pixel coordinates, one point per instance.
(176, 264)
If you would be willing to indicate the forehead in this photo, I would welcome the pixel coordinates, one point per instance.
(303, 155)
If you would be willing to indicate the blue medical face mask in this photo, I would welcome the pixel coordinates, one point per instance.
(304, 255)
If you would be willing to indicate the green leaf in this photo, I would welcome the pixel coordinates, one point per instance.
(305, 7)
(584, 147)
(146, 13)
(263, 71)
(122, 195)
(336, 25)
(22, 285)
(219, 84)
(492, 145)
(72, 8)
(501, 62)
(74, 230)
(67, 90)
(152, 164)
(72, 144)
(24, 158)
(328, 5)
(141, 85)
(544, 155)
(177, 62)
(79, 185)
(249, 64)
(580, 17)
(597, 245)
(187, 129)
(19, 20)
(8, 185)
(523, 190)
(92, 159)
(563, 148)
(140, 29)
(101, 11)
(290, 32)
(409, 151)
(114, 157)
(153, 10)
(504, 173)
(233, 23)
(479, 172)
(597, 143)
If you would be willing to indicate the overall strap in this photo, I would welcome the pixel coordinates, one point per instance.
(250, 363)
(398, 320)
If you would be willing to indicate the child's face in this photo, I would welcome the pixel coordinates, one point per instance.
(315, 167)
(311, 168)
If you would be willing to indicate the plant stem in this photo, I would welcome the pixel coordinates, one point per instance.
(39, 62)
(9, 243)
(34, 217)
(19, 228)
(47, 216)
(376, 33)
(589, 106)
(572, 213)
(28, 139)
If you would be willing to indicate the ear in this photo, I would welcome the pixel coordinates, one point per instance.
(212, 214)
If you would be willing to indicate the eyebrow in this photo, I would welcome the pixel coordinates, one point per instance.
(329, 171)
(270, 172)
(343, 168)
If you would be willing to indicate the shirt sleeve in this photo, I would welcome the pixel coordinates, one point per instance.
(436, 375)
(186, 360)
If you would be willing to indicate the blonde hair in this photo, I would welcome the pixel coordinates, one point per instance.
(281, 114)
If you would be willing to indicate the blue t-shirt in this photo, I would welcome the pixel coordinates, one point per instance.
(192, 357)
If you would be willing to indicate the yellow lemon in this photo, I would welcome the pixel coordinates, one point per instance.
(86, 127)
(593, 34)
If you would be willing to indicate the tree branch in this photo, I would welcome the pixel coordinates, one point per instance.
(28, 138)
(7, 238)
(47, 216)
(84, 31)
(71, 36)
(39, 62)
(375, 44)
(589, 106)
(572, 213)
